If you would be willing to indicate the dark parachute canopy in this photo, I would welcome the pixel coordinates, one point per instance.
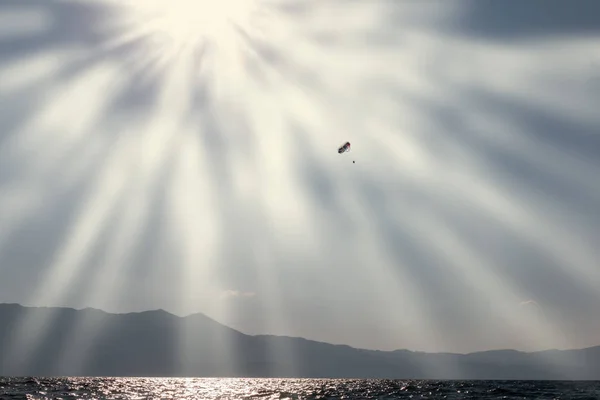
(345, 148)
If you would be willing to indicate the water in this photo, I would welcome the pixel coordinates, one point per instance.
(263, 389)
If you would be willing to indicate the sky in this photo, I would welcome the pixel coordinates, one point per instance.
(182, 155)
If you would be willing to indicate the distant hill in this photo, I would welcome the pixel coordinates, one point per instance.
(155, 343)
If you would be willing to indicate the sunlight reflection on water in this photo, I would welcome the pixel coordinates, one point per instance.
(251, 388)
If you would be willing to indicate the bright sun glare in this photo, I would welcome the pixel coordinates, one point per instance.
(190, 20)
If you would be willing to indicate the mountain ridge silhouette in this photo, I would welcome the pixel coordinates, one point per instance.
(159, 343)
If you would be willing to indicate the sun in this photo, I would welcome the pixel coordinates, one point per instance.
(172, 24)
(180, 18)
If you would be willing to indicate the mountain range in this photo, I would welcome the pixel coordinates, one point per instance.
(89, 342)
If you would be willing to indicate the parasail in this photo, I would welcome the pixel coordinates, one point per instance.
(344, 148)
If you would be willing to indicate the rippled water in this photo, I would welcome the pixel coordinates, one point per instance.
(214, 388)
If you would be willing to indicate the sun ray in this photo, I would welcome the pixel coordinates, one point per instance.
(220, 121)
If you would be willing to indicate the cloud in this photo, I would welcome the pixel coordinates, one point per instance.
(528, 302)
(196, 167)
(534, 306)
(228, 294)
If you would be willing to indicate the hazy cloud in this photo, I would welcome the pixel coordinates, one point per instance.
(227, 294)
(150, 161)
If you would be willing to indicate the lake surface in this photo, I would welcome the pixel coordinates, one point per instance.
(253, 388)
